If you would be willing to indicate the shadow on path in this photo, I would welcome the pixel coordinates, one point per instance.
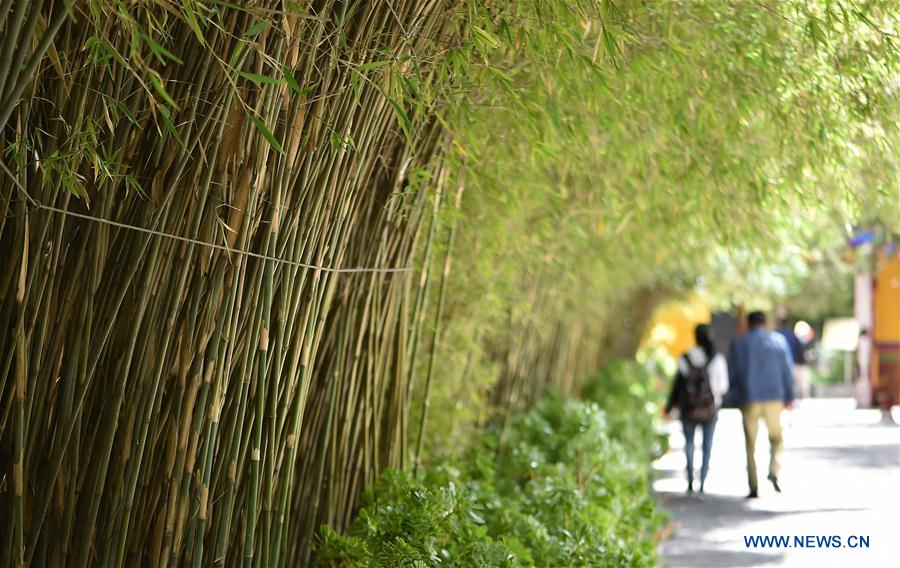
(841, 475)
(879, 456)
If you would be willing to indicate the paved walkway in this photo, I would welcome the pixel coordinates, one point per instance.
(840, 476)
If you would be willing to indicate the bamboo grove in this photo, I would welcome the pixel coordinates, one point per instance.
(227, 301)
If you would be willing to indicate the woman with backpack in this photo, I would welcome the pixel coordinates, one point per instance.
(700, 384)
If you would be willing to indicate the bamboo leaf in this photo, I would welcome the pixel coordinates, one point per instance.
(254, 30)
(170, 126)
(192, 16)
(486, 37)
(236, 54)
(259, 79)
(374, 64)
(405, 122)
(161, 90)
(291, 81)
(162, 54)
(267, 134)
(129, 114)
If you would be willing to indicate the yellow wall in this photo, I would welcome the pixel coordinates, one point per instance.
(887, 302)
(674, 322)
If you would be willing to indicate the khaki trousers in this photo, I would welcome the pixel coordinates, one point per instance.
(770, 411)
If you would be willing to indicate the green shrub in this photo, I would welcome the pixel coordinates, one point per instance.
(834, 369)
(560, 490)
(415, 522)
(626, 391)
(571, 491)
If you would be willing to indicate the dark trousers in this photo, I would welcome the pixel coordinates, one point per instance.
(690, 427)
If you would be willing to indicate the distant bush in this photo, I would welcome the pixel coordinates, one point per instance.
(558, 488)
(833, 373)
(626, 391)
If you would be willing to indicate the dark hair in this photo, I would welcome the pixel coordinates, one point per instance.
(704, 341)
(756, 319)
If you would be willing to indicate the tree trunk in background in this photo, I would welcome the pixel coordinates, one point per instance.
(628, 323)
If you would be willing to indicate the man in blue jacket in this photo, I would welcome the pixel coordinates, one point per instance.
(762, 385)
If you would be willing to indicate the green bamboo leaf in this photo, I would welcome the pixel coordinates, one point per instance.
(375, 64)
(170, 126)
(129, 114)
(254, 30)
(260, 79)
(405, 122)
(236, 54)
(161, 90)
(267, 134)
(486, 37)
(815, 31)
(291, 81)
(162, 54)
(192, 16)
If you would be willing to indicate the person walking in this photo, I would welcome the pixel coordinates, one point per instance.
(700, 383)
(762, 385)
(798, 359)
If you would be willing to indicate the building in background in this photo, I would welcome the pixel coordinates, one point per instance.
(885, 359)
(672, 327)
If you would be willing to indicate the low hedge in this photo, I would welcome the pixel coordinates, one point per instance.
(632, 399)
(565, 488)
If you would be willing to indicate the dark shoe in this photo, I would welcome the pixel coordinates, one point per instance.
(774, 481)
(701, 487)
(753, 494)
(690, 488)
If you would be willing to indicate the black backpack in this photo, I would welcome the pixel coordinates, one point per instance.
(698, 403)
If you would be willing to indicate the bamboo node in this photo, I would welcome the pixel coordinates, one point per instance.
(23, 271)
(17, 479)
(304, 356)
(254, 455)
(215, 411)
(263, 339)
(204, 499)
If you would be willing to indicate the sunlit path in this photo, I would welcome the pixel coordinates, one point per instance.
(840, 476)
